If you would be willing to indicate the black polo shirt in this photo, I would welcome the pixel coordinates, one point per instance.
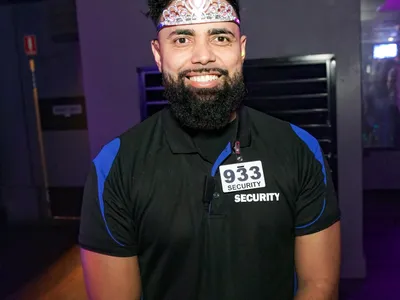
(151, 193)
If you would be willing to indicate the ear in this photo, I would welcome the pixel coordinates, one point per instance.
(243, 41)
(155, 47)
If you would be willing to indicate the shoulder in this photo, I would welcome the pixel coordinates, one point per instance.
(130, 144)
(281, 133)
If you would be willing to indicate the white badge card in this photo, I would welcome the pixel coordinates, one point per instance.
(242, 176)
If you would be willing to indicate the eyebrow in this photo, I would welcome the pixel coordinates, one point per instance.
(191, 32)
(181, 32)
(216, 31)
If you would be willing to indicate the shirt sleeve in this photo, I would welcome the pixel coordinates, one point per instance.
(316, 205)
(106, 224)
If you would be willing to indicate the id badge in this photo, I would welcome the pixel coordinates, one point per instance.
(242, 176)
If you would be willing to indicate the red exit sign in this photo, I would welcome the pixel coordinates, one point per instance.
(30, 45)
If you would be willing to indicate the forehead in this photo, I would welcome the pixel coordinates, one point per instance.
(200, 29)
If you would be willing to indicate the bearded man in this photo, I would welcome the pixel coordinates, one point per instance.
(209, 199)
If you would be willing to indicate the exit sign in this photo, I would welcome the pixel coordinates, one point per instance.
(30, 45)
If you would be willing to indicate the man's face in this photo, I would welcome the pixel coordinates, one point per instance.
(201, 66)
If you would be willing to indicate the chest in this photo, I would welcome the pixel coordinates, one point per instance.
(177, 200)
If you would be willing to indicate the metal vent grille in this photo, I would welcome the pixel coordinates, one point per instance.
(62, 21)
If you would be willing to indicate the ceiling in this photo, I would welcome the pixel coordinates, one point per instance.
(366, 5)
(369, 9)
(370, 4)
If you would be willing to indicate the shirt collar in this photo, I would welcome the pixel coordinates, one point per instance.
(180, 141)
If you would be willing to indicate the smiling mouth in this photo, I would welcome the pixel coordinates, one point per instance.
(203, 78)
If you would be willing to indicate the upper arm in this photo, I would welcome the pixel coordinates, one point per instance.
(106, 222)
(317, 258)
(316, 206)
(107, 232)
(109, 277)
(317, 246)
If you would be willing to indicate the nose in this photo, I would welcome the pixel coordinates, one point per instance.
(203, 54)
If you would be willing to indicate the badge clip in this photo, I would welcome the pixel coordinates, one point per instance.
(236, 148)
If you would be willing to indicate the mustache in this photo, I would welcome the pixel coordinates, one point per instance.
(183, 74)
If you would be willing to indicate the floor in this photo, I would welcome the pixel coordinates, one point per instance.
(382, 249)
(42, 262)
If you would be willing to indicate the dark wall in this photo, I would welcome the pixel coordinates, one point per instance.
(58, 71)
(17, 178)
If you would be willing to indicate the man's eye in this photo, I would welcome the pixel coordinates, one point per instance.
(222, 39)
(181, 40)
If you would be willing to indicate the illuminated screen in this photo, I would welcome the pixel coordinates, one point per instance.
(385, 51)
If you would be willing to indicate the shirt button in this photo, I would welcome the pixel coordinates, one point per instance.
(216, 195)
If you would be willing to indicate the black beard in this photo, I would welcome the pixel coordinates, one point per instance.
(204, 108)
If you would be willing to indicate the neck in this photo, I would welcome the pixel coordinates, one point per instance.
(233, 116)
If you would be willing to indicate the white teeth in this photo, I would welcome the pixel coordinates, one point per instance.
(204, 78)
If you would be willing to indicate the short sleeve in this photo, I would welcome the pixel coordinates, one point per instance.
(316, 205)
(106, 224)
